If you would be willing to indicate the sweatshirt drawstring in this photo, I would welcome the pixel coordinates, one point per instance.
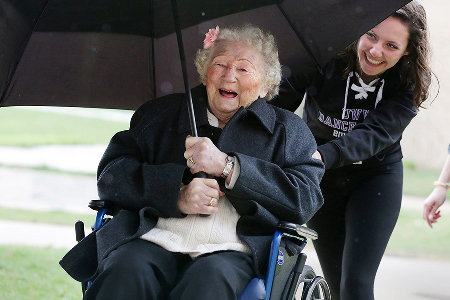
(362, 91)
(346, 94)
(380, 93)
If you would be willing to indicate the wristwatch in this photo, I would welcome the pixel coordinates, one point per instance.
(230, 163)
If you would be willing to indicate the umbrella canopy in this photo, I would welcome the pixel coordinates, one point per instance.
(120, 54)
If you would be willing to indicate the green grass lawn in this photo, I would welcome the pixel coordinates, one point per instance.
(413, 237)
(34, 273)
(22, 127)
(418, 182)
(49, 217)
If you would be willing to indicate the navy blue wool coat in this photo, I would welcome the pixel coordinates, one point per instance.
(143, 168)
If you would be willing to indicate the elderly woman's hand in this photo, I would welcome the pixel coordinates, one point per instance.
(200, 196)
(203, 156)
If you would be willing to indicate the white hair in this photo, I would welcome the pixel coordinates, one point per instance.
(256, 39)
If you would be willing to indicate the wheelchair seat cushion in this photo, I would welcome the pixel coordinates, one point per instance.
(255, 290)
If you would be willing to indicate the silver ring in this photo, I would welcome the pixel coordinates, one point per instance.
(191, 160)
(211, 202)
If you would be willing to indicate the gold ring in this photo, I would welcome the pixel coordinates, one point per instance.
(191, 160)
(211, 202)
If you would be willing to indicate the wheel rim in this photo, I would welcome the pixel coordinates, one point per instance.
(317, 289)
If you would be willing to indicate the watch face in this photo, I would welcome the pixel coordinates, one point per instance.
(230, 163)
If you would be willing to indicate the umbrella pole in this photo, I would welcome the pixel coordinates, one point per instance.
(188, 94)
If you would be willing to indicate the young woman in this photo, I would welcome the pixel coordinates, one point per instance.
(357, 109)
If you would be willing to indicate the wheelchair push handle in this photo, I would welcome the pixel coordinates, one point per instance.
(297, 230)
(79, 230)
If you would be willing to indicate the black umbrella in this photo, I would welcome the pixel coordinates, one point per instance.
(122, 53)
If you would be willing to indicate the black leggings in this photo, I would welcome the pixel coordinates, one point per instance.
(354, 225)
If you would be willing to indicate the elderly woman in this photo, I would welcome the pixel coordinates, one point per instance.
(182, 237)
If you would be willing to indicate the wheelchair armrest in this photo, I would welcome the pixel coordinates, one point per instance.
(297, 230)
(99, 204)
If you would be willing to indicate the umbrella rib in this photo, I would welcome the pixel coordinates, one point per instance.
(299, 37)
(8, 84)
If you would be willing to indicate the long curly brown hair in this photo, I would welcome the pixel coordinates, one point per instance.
(414, 68)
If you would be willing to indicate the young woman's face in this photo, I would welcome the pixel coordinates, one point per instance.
(382, 46)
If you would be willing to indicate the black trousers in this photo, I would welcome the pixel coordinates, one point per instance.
(142, 270)
(354, 225)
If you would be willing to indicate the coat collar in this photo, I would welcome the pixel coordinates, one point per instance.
(260, 109)
(264, 112)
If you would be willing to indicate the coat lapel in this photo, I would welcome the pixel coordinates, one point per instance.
(264, 112)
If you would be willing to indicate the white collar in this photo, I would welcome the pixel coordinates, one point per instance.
(212, 119)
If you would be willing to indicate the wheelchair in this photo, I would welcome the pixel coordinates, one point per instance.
(286, 273)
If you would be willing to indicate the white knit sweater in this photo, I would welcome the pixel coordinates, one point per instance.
(196, 235)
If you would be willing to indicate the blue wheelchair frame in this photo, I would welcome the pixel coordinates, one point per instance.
(282, 279)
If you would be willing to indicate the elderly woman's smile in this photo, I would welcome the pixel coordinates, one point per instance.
(227, 94)
(234, 79)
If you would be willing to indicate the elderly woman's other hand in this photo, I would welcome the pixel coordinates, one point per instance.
(203, 156)
(200, 196)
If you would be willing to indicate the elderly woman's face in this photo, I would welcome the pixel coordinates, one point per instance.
(234, 79)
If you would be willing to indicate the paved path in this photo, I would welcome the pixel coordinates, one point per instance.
(70, 158)
(42, 190)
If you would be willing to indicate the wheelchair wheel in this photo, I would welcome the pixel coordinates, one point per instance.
(303, 281)
(316, 289)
